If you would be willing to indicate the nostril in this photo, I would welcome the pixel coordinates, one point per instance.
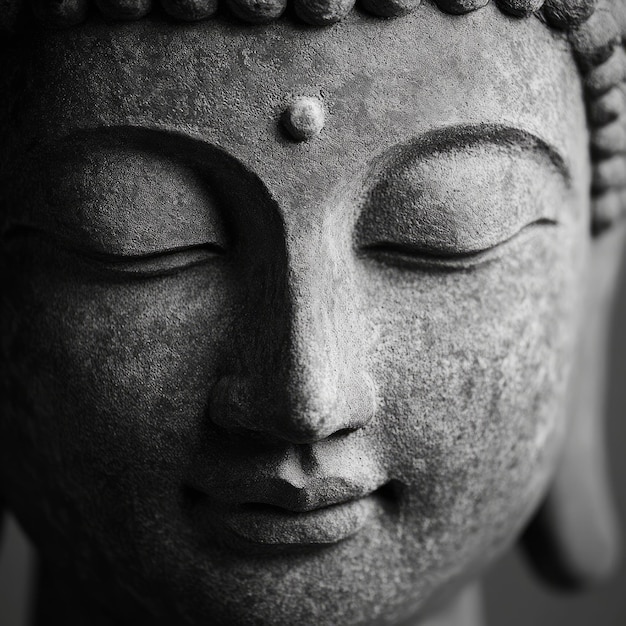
(343, 432)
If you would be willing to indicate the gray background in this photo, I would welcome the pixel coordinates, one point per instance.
(513, 597)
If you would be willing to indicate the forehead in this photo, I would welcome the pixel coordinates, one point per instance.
(381, 81)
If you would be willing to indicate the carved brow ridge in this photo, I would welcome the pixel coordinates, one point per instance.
(439, 140)
(450, 138)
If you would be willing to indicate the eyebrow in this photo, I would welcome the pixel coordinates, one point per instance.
(181, 146)
(450, 138)
(173, 144)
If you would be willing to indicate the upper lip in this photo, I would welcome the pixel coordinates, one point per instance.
(317, 493)
(312, 493)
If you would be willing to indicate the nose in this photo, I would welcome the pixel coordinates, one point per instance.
(299, 413)
(302, 377)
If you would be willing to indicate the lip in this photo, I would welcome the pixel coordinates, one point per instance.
(302, 511)
(302, 493)
(274, 525)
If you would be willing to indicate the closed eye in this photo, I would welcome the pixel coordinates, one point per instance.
(409, 256)
(133, 265)
(159, 263)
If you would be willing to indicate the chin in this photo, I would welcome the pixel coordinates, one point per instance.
(398, 568)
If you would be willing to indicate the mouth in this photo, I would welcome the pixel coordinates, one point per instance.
(276, 513)
(313, 518)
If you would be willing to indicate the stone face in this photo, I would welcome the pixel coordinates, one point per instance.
(259, 381)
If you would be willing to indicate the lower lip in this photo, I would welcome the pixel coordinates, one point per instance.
(279, 527)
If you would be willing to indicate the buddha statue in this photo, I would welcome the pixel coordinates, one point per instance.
(305, 303)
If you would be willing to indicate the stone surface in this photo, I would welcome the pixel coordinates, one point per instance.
(562, 14)
(389, 8)
(322, 12)
(520, 8)
(609, 107)
(595, 41)
(124, 9)
(304, 118)
(568, 13)
(459, 7)
(190, 10)
(257, 11)
(249, 380)
(61, 14)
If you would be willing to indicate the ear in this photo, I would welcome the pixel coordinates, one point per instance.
(573, 541)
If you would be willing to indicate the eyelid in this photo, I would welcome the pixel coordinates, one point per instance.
(393, 253)
(113, 257)
(160, 262)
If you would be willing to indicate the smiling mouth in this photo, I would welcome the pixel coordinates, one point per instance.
(308, 524)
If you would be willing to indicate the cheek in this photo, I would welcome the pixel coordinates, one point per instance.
(472, 368)
(116, 377)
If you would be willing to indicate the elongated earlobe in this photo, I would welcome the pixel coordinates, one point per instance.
(573, 541)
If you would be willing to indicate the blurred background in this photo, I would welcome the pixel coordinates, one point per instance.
(513, 595)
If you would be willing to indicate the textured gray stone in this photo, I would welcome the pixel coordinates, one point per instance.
(190, 10)
(304, 118)
(248, 380)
